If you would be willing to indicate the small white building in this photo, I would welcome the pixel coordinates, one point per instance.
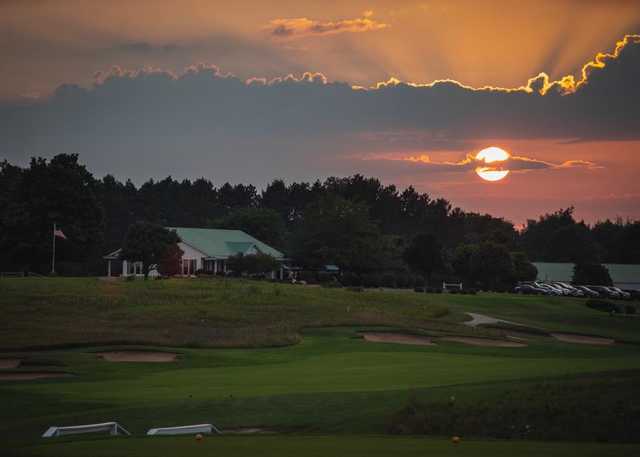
(203, 249)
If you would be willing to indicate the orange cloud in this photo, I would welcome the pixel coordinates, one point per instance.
(303, 27)
(469, 162)
(540, 84)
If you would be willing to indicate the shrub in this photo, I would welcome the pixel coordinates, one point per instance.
(370, 280)
(419, 289)
(308, 276)
(351, 279)
(388, 280)
(402, 281)
(325, 277)
(630, 309)
(605, 306)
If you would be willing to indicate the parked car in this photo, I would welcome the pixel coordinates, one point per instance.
(635, 294)
(558, 289)
(573, 291)
(568, 289)
(550, 290)
(606, 291)
(623, 294)
(529, 289)
(588, 292)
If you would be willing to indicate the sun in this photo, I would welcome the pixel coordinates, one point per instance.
(491, 158)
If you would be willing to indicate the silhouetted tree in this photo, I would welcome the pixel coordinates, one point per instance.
(591, 273)
(424, 255)
(252, 263)
(335, 230)
(262, 223)
(148, 243)
(523, 269)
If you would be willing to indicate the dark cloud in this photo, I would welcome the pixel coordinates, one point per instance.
(154, 122)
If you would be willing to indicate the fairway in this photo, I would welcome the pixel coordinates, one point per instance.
(330, 381)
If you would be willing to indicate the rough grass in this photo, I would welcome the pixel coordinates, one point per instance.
(181, 312)
(44, 312)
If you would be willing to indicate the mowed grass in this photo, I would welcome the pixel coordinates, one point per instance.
(300, 367)
(322, 446)
(332, 382)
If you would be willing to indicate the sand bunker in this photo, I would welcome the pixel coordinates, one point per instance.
(29, 376)
(582, 339)
(138, 356)
(483, 342)
(9, 363)
(398, 338)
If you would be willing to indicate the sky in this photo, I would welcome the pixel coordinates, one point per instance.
(406, 91)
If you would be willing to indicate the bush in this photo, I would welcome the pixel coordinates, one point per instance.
(307, 276)
(355, 289)
(630, 309)
(419, 289)
(388, 280)
(370, 280)
(402, 281)
(350, 280)
(605, 306)
(325, 277)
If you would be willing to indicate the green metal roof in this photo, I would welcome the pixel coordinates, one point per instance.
(620, 273)
(222, 243)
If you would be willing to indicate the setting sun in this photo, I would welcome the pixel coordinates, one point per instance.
(495, 156)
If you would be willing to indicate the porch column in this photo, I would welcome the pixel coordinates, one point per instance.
(109, 268)
(215, 266)
(125, 268)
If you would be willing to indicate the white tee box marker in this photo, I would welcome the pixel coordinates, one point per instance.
(113, 428)
(184, 430)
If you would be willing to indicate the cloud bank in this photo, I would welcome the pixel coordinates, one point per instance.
(204, 121)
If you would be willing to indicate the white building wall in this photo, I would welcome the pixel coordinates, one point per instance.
(192, 253)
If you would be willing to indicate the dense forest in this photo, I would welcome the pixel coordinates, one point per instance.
(355, 222)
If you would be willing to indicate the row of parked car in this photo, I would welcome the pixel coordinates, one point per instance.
(563, 288)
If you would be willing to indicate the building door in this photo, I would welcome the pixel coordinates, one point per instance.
(188, 267)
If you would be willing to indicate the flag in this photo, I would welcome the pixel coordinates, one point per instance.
(59, 234)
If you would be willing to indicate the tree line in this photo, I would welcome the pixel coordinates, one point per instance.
(356, 222)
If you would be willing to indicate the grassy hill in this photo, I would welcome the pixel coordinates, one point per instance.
(235, 313)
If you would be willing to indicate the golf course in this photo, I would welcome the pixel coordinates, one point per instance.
(312, 371)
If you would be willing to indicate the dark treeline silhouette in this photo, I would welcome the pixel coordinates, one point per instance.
(355, 222)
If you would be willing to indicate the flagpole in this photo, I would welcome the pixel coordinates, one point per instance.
(53, 256)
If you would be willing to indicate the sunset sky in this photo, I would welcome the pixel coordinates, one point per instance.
(407, 91)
